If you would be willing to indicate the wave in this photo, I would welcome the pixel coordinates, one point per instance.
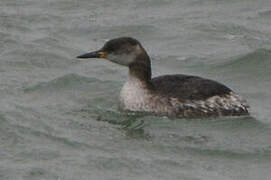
(265, 14)
(259, 57)
(254, 64)
(35, 57)
(63, 82)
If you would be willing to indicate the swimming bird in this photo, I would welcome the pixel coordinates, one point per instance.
(171, 95)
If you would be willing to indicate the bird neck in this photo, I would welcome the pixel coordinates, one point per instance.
(141, 68)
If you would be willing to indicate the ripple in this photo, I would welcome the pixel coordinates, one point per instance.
(265, 14)
(39, 173)
(245, 68)
(256, 63)
(132, 124)
(38, 154)
(35, 57)
(256, 57)
(229, 154)
(64, 82)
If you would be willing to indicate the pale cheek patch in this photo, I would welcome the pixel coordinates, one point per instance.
(138, 49)
(121, 59)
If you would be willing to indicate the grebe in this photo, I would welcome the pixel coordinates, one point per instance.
(173, 95)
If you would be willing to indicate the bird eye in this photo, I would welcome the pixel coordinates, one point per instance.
(128, 50)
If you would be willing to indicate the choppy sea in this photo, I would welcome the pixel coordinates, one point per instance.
(59, 117)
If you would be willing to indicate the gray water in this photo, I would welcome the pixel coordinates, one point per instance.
(59, 117)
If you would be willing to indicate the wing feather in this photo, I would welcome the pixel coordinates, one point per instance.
(185, 87)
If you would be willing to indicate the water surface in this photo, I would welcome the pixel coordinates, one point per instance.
(59, 117)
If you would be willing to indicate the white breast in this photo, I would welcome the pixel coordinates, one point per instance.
(134, 96)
